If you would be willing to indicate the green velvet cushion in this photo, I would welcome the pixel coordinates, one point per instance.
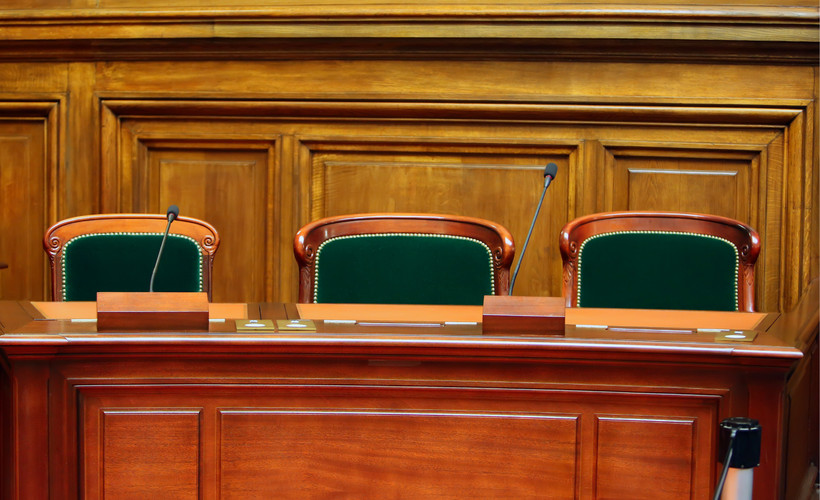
(119, 262)
(653, 270)
(403, 269)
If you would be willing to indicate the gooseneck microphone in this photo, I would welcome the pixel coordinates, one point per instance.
(549, 174)
(171, 214)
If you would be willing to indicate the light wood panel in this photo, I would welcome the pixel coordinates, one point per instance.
(226, 185)
(321, 164)
(28, 165)
(247, 116)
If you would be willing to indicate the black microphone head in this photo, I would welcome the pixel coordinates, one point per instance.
(172, 210)
(550, 170)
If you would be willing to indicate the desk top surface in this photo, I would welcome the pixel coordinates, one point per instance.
(414, 330)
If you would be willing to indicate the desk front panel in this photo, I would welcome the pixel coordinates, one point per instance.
(363, 428)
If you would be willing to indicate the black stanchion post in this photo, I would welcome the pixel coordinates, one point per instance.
(740, 447)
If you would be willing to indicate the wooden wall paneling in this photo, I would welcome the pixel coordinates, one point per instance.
(79, 186)
(110, 145)
(715, 179)
(463, 168)
(712, 97)
(445, 167)
(484, 85)
(687, 181)
(589, 187)
(34, 101)
(212, 174)
(29, 164)
(811, 216)
(499, 181)
(290, 210)
(752, 24)
(796, 201)
(731, 171)
(225, 184)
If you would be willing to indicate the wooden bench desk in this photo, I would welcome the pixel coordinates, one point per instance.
(395, 402)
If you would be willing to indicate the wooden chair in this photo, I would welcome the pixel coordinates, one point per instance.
(400, 258)
(659, 260)
(117, 253)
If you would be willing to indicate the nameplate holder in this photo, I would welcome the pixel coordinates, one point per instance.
(519, 315)
(152, 311)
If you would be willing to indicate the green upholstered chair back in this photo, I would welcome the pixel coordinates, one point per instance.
(659, 260)
(402, 259)
(117, 253)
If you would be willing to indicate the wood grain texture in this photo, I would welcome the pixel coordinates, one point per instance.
(444, 454)
(144, 453)
(343, 410)
(260, 118)
(25, 168)
(402, 439)
(454, 167)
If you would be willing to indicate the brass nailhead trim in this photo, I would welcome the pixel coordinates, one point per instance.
(122, 233)
(684, 233)
(371, 235)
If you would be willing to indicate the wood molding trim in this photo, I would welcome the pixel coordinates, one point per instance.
(751, 34)
(780, 114)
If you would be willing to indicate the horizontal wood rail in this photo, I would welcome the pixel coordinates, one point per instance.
(697, 33)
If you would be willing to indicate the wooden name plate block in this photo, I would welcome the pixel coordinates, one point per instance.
(514, 315)
(152, 311)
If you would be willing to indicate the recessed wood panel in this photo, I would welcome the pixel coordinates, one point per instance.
(366, 454)
(147, 454)
(742, 180)
(228, 189)
(713, 179)
(644, 458)
(504, 189)
(686, 188)
(23, 178)
(223, 182)
(326, 158)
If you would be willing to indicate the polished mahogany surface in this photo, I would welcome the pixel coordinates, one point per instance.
(393, 402)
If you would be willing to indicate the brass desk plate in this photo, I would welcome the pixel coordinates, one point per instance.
(255, 325)
(736, 336)
(295, 325)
